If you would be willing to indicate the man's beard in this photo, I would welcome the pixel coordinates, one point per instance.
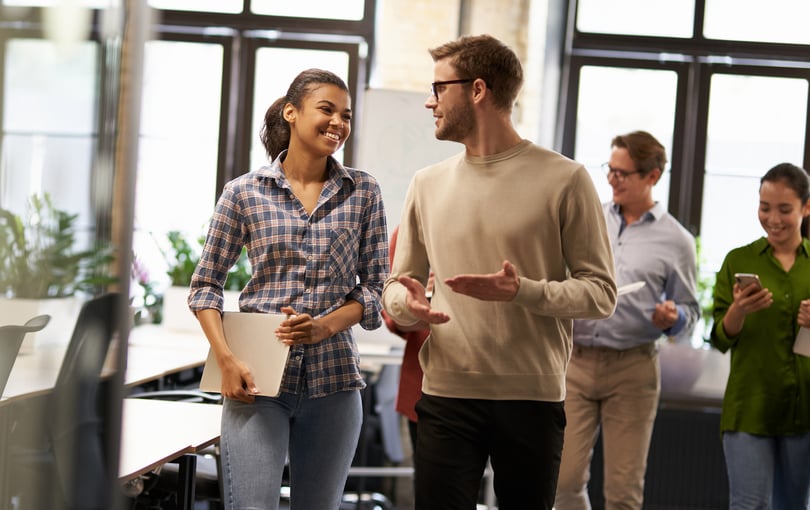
(457, 124)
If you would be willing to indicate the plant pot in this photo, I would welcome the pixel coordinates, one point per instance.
(177, 316)
(63, 312)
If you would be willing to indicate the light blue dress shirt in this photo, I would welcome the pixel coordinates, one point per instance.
(659, 251)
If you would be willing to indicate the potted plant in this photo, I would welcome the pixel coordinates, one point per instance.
(182, 259)
(43, 272)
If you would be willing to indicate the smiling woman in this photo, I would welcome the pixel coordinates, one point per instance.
(315, 233)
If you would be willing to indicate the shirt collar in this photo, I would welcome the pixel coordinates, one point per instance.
(762, 246)
(274, 172)
(804, 248)
(655, 213)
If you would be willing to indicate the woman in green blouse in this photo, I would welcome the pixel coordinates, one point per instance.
(766, 409)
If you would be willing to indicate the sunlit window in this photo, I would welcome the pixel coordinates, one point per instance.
(777, 21)
(224, 6)
(754, 124)
(614, 101)
(321, 9)
(178, 149)
(49, 124)
(275, 70)
(663, 18)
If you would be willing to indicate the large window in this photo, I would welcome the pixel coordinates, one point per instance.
(205, 93)
(729, 100)
(209, 74)
(49, 124)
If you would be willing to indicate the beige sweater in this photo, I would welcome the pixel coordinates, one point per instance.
(540, 211)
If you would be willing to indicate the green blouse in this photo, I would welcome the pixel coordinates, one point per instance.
(768, 389)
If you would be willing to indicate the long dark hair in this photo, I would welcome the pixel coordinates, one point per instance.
(275, 133)
(795, 178)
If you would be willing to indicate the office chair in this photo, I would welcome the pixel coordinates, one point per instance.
(11, 339)
(69, 469)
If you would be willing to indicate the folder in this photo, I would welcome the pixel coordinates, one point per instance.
(251, 337)
(802, 344)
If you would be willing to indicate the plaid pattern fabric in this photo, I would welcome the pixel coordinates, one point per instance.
(313, 263)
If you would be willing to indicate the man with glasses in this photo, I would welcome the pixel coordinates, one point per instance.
(517, 241)
(614, 377)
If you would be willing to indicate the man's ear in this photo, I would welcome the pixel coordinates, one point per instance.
(656, 174)
(480, 89)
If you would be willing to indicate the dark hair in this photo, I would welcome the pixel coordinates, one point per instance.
(645, 151)
(795, 178)
(483, 56)
(275, 133)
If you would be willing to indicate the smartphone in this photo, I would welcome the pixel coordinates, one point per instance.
(746, 279)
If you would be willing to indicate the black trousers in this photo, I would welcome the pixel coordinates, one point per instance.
(523, 440)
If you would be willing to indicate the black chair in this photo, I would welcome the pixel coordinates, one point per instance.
(11, 339)
(68, 468)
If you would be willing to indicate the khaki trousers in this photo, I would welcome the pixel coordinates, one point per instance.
(617, 390)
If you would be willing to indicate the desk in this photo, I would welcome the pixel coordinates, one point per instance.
(183, 428)
(154, 432)
(378, 347)
(153, 354)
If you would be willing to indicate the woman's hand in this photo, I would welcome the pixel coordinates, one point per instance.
(751, 298)
(301, 329)
(237, 381)
(747, 299)
(804, 314)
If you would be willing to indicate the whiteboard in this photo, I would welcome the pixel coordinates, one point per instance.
(395, 139)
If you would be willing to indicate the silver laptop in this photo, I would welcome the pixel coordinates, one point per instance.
(252, 339)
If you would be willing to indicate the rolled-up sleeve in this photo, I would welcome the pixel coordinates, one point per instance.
(373, 259)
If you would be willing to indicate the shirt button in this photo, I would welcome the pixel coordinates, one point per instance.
(306, 291)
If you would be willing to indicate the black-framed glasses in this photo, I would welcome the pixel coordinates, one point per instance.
(619, 174)
(434, 86)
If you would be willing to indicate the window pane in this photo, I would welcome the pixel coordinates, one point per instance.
(614, 101)
(49, 125)
(754, 124)
(178, 145)
(663, 18)
(275, 70)
(779, 21)
(227, 6)
(321, 9)
(50, 89)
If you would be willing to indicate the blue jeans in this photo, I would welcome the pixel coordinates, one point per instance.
(767, 471)
(320, 435)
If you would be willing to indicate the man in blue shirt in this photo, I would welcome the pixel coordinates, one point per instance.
(613, 378)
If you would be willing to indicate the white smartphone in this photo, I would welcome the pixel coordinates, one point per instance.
(746, 279)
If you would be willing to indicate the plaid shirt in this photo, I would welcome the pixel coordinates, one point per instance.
(313, 263)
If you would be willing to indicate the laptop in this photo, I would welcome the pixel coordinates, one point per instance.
(11, 339)
(252, 339)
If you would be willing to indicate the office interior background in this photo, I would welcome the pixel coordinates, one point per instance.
(132, 115)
